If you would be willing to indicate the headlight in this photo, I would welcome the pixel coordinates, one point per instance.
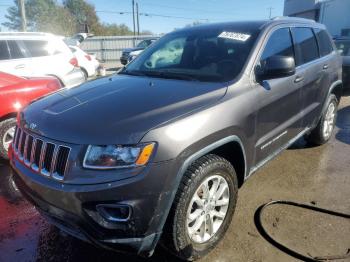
(111, 156)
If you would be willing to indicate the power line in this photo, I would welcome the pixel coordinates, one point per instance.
(170, 16)
(152, 14)
(189, 9)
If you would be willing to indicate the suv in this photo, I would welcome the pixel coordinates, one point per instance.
(126, 53)
(39, 54)
(158, 151)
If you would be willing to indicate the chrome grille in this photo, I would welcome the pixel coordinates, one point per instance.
(44, 157)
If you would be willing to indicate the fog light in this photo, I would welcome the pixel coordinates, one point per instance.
(114, 212)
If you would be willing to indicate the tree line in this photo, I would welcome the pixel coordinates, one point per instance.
(65, 18)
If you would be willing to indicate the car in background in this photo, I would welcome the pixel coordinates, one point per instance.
(343, 45)
(124, 59)
(39, 54)
(15, 93)
(133, 55)
(77, 39)
(87, 62)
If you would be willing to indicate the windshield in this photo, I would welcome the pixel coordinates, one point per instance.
(214, 55)
(343, 47)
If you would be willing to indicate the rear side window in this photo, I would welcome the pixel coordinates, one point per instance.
(4, 52)
(279, 44)
(324, 42)
(15, 51)
(36, 48)
(306, 49)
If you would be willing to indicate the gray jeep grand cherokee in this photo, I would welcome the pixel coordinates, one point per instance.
(159, 150)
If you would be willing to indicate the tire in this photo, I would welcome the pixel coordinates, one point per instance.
(176, 236)
(325, 127)
(6, 131)
(86, 75)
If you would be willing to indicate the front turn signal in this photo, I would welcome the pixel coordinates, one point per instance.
(145, 155)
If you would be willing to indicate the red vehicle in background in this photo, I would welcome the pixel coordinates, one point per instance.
(15, 93)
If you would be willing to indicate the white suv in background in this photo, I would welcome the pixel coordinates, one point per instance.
(39, 54)
(87, 62)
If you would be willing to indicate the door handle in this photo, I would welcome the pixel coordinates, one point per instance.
(19, 66)
(325, 67)
(298, 79)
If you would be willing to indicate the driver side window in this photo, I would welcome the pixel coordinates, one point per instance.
(279, 44)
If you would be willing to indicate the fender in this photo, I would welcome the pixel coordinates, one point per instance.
(193, 158)
(324, 107)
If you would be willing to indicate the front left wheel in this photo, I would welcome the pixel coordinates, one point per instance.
(7, 132)
(202, 209)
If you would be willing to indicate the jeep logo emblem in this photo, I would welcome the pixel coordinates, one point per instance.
(32, 126)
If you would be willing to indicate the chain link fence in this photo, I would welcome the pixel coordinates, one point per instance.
(108, 49)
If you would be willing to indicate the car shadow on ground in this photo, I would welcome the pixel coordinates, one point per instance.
(53, 244)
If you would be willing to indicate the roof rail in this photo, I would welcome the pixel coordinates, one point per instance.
(25, 34)
(293, 18)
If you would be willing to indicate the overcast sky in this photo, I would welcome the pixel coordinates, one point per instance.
(161, 16)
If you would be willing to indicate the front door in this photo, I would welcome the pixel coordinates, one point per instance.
(279, 113)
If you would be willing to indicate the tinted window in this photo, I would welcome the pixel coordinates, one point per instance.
(4, 53)
(36, 48)
(214, 54)
(15, 51)
(306, 48)
(324, 42)
(279, 44)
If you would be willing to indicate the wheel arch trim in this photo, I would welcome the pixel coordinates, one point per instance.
(211, 147)
(189, 160)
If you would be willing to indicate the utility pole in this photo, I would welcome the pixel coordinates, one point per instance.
(133, 14)
(22, 11)
(138, 18)
(270, 12)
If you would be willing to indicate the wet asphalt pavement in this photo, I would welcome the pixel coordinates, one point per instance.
(317, 175)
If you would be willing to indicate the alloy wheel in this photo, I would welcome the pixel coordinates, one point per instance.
(208, 208)
(329, 121)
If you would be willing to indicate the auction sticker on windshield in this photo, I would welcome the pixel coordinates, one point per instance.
(234, 36)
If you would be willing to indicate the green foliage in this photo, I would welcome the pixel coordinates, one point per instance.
(13, 15)
(72, 16)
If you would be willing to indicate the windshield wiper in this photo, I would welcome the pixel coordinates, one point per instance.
(132, 73)
(169, 75)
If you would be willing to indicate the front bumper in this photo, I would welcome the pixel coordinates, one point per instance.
(73, 207)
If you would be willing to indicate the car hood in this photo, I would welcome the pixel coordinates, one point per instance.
(118, 109)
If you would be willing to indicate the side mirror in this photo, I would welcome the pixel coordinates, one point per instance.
(275, 67)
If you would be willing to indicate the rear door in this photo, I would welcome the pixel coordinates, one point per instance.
(310, 72)
(48, 58)
(278, 118)
(15, 60)
(6, 64)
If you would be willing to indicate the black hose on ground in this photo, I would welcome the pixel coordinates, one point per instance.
(257, 219)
